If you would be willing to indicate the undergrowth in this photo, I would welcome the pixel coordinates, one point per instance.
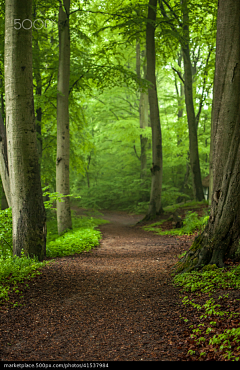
(205, 336)
(191, 223)
(14, 270)
(203, 283)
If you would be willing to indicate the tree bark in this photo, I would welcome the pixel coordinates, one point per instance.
(62, 164)
(210, 189)
(38, 78)
(143, 115)
(28, 213)
(220, 239)
(180, 94)
(4, 203)
(4, 170)
(188, 89)
(155, 207)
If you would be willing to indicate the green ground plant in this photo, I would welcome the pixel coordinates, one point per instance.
(191, 223)
(14, 270)
(207, 281)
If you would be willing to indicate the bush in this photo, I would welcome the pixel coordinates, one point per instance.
(191, 223)
(6, 232)
(13, 270)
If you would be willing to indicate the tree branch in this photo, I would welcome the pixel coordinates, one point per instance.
(105, 104)
(71, 88)
(174, 14)
(179, 75)
(204, 86)
(49, 83)
(136, 153)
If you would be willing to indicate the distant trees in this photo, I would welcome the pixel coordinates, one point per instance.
(97, 93)
(28, 213)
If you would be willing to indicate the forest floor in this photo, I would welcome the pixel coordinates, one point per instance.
(113, 303)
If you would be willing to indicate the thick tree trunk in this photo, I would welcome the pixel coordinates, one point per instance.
(188, 89)
(220, 238)
(155, 207)
(62, 164)
(28, 213)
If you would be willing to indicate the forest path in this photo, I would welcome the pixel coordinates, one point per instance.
(113, 303)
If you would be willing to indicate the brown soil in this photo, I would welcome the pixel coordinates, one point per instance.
(113, 303)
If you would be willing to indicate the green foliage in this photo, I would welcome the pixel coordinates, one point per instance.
(14, 270)
(73, 242)
(208, 281)
(6, 232)
(82, 238)
(191, 223)
(188, 204)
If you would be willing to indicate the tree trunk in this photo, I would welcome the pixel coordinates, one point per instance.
(220, 238)
(180, 95)
(62, 165)
(4, 170)
(143, 115)
(188, 89)
(4, 203)
(210, 189)
(28, 213)
(38, 78)
(155, 207)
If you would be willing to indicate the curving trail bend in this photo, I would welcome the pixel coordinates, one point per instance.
(114, 303)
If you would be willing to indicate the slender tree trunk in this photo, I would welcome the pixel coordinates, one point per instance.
(155, 207)
(28, 213)
(210, 189)
(220, 238)
(4, 170)
(38, 78)
(62, 164)
(188, 89)
(143, 115)
(180, 94)
(180, 98)
(4, 203)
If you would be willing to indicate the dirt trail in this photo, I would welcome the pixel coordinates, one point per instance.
(113, 303)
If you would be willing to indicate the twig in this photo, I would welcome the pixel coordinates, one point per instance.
(136, 152)
(179, 74)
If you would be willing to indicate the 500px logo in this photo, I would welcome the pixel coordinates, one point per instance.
(27, 24)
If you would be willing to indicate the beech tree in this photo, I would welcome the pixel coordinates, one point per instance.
(4, 170)
(188, 90)
(177, 24)
(62, 163)
(28, 213)
(143, 112)
(220, 239)
(155, 206)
